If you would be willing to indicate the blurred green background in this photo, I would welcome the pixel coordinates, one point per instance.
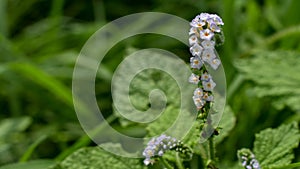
(40, 41)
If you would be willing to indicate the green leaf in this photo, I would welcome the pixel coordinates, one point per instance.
(11, 134)
(226, 124)
(193, 137)
(144, 83)
(156, 91)
(36, 164)
(276, 77)
(274, 147)
(43, 79)
(95, 157)
(13, 125)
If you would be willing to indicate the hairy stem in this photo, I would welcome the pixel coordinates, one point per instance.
(211, 148)
(178, 161)
(165, 163)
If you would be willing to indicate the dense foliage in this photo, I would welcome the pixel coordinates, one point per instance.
(39, 44)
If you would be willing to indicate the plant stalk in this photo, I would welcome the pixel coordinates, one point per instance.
(178, 161)
(211, 148)
(165, 163)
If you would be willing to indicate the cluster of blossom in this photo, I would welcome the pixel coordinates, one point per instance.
(159, 145)
(202, 32)
(248, 159)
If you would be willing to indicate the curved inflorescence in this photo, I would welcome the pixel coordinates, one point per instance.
(205, 33)
(248, 159)
(157, 146)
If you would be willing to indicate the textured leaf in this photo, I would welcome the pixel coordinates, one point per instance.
(226, 124)
(13, 125)
(10, 129)
(273, 147)
(276, 76)
(37, 164)
(154, 89)
(193, 137)
(94, 158)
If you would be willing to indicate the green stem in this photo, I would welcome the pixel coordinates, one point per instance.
(290, 166)
(178, 161)
(211, 148)
(165, 163)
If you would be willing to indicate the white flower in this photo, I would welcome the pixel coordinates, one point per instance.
(148, 152)
(193, 40)
(205, 77)
(207, 97)
(158, 146)
(197, 23)
(196, 50)
(208, 86)
(215, 63)
(196, 62)
(194, 79)
(217, 19)
(160, 153)
(208, 55)
(213, 27)
(208, 44)
(206, 34)
(198, 92)
(147, 161)
(204, 16)
(193, 30)
(199, 102)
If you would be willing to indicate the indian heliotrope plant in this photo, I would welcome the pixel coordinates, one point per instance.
(205, 33)
(248, 159)
(158, 146)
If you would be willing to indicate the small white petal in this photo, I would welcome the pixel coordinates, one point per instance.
(199, 102)
(197, 23)
(194, 79)
(204, 16)
(215, 63)
(147, 161)
(160, 153)
(217, 19)
(208, 86)
(206, 34)
(208, 97)
(213, 27)
(196, 50)
(193, 40)
(193, 30)
(196, 63)
(208, 44)
(205, 77)
(198, 92)
(208, 55)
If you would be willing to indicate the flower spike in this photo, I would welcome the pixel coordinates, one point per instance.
(204, 32)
